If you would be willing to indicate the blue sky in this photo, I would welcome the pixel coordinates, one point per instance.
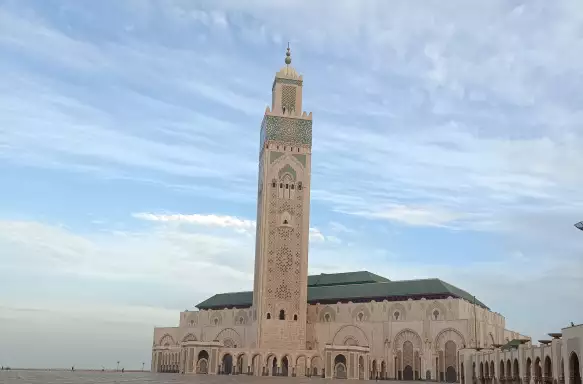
(447, 143)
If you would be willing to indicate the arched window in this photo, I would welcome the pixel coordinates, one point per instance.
(327, 317)
(435, 314)
(280, 185)
(273, 184)
(287, 186)
(282, 315)
(292, 186)
(285, 221)
(295, 317)
(360, 316)
(268, 315)
(396, 314)
(300, 186)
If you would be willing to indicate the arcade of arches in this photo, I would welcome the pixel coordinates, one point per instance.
(553, 361)
(346, 358)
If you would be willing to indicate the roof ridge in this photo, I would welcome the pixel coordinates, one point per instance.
(424, 279)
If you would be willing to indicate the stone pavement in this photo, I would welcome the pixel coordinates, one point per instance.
(80, 377)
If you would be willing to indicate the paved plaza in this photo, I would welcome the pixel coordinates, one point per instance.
(66, 377)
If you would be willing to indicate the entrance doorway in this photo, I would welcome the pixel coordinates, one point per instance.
(202, 363)
(450, 374)
(408, 373)
(574, 369)
(284, 366)
(227, 364)
(340, 367)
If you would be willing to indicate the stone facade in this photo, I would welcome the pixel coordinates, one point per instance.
(282, 332)
(376, 339)
(553, 361)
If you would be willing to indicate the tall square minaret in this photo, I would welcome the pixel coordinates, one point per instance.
(283, 216)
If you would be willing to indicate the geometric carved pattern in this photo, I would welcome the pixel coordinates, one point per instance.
(241, 317)
(286, 81)
(284, 242)
(348, 333)
(284, 260)
(400, 308)
(288, 97)
(408, 353)
(436, 308)
(216, 319)
(360, 313)
(407, 335)
(283, 293)
(189, 337)
(447, 335)
(287, 170)
(286, 129)
(166, 341)
(192, 319)
(229, 336)
(350, 341)
(327, 311)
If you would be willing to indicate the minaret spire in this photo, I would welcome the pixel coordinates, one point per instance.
(288, 56)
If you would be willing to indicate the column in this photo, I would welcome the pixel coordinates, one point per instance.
(414, 364)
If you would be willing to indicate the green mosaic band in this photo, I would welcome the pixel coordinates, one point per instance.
(286, 129)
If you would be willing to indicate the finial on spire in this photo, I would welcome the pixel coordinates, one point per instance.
(288, 55)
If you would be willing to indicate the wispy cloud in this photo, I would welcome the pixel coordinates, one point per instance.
(417, 216)
(210, 220)
(451, 116)
(238, 224)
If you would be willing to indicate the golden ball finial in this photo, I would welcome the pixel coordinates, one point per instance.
(288, 55)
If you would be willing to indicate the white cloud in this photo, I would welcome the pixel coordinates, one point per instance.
(208, 220)
(316, 235)
(416, 216)
(424, 140)
(150, 256)
(339, 227)
(238, 224)
(455, 115)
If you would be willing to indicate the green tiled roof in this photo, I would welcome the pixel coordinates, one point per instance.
(346, 278)
(354, 286)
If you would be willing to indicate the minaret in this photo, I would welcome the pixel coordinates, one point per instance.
(283, 216)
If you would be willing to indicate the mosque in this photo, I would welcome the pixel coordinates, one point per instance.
(355, 325)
